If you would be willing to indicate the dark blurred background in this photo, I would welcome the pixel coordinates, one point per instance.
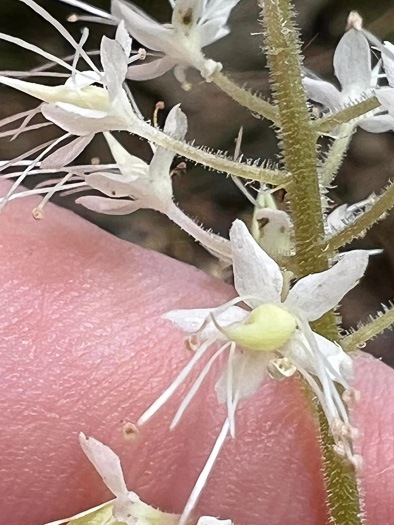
(214, 121)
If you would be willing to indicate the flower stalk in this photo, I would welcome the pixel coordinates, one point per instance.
(269, 176)
(245, 98)
(300, 154)
(383, 321)
(327, 124)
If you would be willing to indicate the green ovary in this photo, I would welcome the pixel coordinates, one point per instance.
(267, 328)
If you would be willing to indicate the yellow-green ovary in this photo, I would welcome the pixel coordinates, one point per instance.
(267, 328)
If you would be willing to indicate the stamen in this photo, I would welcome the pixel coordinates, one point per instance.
(14, 133)
(230, 389)
(89, 8)
(165, 396)
(196, 385)
(62, 30)
(38, 212)
(203, 477)
(29, 168)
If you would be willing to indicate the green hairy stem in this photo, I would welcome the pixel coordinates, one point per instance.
(300, 156)
(369, 331)
(245, 98)
(326, 124)
(268, 176)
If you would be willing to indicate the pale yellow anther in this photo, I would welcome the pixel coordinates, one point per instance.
(267, 328)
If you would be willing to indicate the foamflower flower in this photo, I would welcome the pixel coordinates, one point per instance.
(149, 186)
(126, 508)
(194, 25)
(271, 336)
(353, 69)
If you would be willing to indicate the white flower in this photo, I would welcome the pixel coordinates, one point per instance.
(353, 69)
(148, 186)
(127, 506)
(272, 336)
(194, 25)
(80, 107)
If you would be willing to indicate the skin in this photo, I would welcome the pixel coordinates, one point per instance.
(84, 349)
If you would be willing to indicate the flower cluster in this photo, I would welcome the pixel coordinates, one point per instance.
(267, 331)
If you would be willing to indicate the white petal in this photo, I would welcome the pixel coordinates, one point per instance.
(153, 69)
(377, 123)
(388, 62)
(63, 156)
(322, 92)
(176, 123)
(106, 462)
(385, 95)
(352, 61)
(214, 30)
(249, 372)
(131, 166)
(114, 63)
(109, 206)
(122, 36)
(78, 125)
(190, 321)
(209, 520)
(318, 293)
(147, 31)
(255, 273)
(111, 184)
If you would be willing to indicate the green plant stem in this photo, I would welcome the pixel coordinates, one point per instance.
(245, 98)
(299, 149)
(369, 331)
(246, 171)
(360, 225)
(326, 124)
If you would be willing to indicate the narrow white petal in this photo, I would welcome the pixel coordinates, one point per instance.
(209, 520)
(153, 69)
(109, 206)
(107, 464)
(63, 156)
(377, 123)
(111, 184)
(388, 62)
(114, 62)
(250, 371)
(322, 92)
(147, 31)
(255, 273)
(75, 123)
(130, 165)
(176, 123)
(318, 293)
(352, 61)
(122, 36)
(191, 321)
(385, 95)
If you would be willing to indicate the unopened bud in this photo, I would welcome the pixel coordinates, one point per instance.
(354, 21)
